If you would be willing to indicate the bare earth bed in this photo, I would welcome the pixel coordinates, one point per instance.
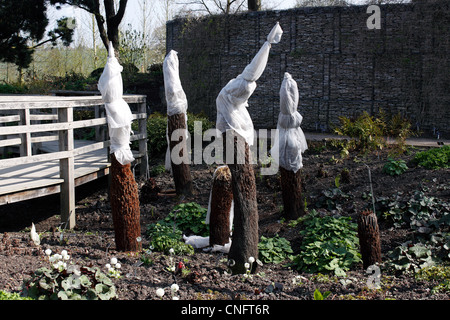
(92, 241)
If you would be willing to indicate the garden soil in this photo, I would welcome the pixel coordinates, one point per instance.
(207, 276)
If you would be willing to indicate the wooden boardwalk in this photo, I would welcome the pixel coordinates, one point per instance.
(41, 129)
(31, 180)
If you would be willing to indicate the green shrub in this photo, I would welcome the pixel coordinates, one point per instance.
(157, 126)
(164, 237)
(157, 170)
(399, 128)
(274, 250)
(434, 158)
(328, 244)
(156, 134)
(367, 130)
(10, 88)
(395, 167)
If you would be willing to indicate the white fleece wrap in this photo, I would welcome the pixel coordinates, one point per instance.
(118, 113)
(232, 101)
(290, 141)
(175, 96)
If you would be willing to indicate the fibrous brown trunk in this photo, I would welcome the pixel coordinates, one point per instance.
(245, 222)
(125, 209)
(369, 238)
(181, 172)
(221, 202)
(291, 189)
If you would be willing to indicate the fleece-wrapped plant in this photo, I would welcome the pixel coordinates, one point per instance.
(118, 112)
(175, 95)
(232, 101)
(290, 141)
(177, 155)
(234, 122)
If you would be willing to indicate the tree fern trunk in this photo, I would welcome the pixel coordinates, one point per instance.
(124, 198)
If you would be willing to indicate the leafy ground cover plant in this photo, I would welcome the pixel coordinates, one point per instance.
(332, 199)
(4, 295)
(168, 233)
(395, 167)
(440, 274)
(68, 282)
(421, 212)
(410, 257)
(274, 250)
(434, 158)
(329, 244)
(164, 238)
(189, 218)
(321, 296)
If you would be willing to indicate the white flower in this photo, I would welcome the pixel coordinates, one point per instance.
(160, 292)
(171, 251)
(113, 260)
(251, 259)
(108, 266)
(174, 287)
(175, 298)
(118, 265)
(63, 253)
(246, 265)
(48, 252)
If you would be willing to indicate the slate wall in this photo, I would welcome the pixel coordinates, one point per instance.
(342, 68)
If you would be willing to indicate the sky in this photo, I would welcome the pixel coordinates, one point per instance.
(133, 10)
(133, 15)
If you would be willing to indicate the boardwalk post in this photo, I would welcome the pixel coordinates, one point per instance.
(66, 165)
(142, 108)
(25, 145)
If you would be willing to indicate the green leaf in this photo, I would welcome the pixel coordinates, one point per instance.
(318, 295)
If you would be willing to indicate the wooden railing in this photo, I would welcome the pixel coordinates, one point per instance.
(22, 125)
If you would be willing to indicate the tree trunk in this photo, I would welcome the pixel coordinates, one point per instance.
(125, 209)
(221, 201)
(245, 233)
(181, 172)
(291, 189)
(254, 5)
(369, 238)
